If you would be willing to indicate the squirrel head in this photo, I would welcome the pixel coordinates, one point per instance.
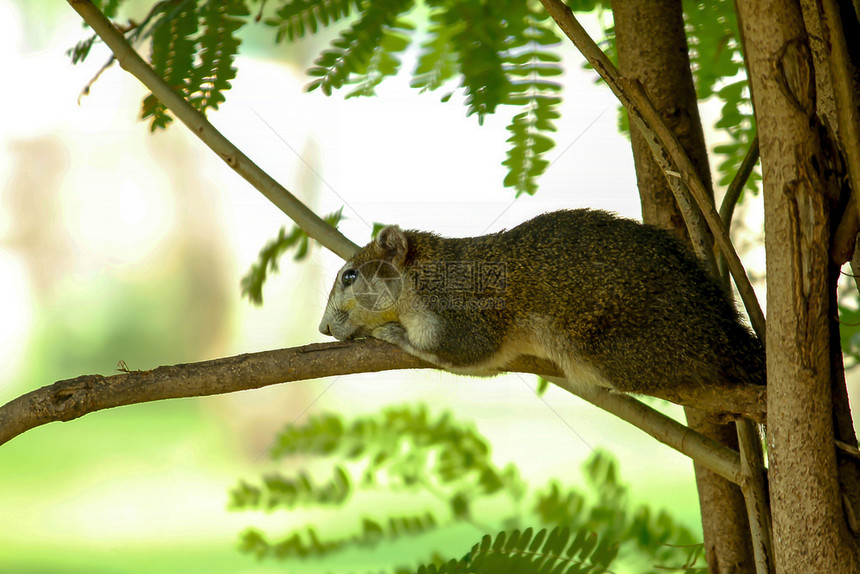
(368, 287)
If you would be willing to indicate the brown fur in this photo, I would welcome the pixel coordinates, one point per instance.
(611, 301)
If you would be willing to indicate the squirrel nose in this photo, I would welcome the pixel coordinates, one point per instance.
(324, 329)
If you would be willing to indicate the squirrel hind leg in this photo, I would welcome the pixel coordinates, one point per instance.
(576, 369)
(579, 372)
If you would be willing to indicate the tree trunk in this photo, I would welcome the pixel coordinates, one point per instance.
(826, 32)
(652, 47)
(810, 531)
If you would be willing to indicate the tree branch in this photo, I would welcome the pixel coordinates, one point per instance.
(733, 192)
(72, 398)
(131, 62)
(665, 146)
(706, 451)
(843, 75)
(755, 495)
(843, 72)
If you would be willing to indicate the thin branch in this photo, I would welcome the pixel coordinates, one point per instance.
(755, 495)
(665, 146)
(716, 457)
(845, 91)
(842, 248)
(848, 449)
(733, 192)
(131, 62)
(847, 104)
(72, 398)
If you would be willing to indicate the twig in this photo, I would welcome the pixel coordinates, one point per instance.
(733, 192)
(709, 453)
(845, 91)
(131, 62)
(755, 495)
(848, 448)
(847, 104)
(73, 398)
(651, 124)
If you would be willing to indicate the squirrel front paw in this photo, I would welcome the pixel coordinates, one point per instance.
(396, 334)
(393, 333)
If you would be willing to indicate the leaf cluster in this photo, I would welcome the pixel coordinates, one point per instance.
(194, 44)
(267, 261)
(718, 70)
(193, 47)
(558, 551)
(401, 450)
(502, 51)
(447, 472)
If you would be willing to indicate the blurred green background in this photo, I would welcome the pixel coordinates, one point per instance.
(119, 245)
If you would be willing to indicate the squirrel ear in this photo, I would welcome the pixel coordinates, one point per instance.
(393, 243)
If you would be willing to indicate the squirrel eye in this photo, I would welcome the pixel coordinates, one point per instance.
(349, 277)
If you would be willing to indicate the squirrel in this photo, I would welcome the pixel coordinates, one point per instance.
(609, 300)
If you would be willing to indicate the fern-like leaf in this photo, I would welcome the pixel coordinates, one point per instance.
(531, 65)
(278, 491)
(172, 55)
(297, 18)
(715, 52)
(307, 542)
(717, 63)
(438, 60)
(197, 65)
(481, 34)
(81, 50)
(549, 552)
(366, 49)
(253, 281)
(384, 61)
(219, 45)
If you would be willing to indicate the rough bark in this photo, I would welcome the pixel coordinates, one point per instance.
(836, 83)
(724, 515)
(652, 47)
(810, 529)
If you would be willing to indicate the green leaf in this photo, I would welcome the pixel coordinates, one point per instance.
(531, 64)
(849, 334)
(172, 54)
(219, 45)
(253, 281)
(437, 62)
(81, 50)
(364, 53)
(295, 18)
